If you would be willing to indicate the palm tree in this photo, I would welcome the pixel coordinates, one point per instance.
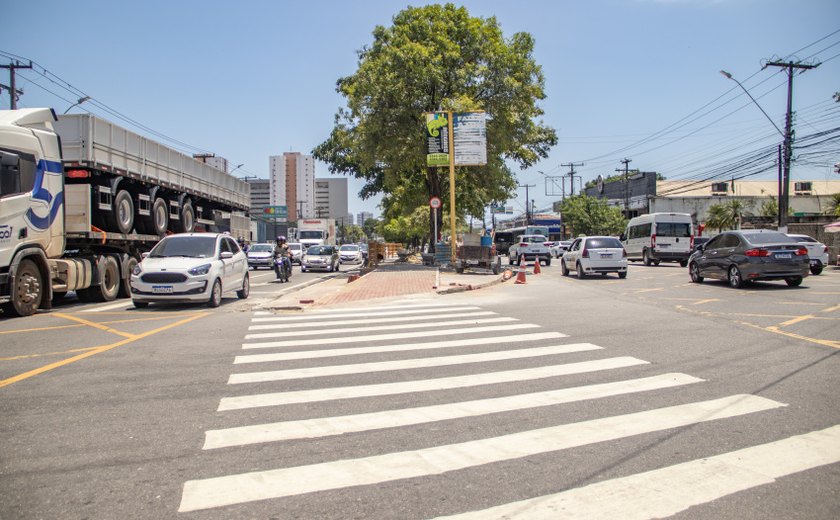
(834, 205)
(727, 215)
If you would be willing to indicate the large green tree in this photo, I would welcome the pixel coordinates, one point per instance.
(585, 215)
(431, 58)
(727, 215)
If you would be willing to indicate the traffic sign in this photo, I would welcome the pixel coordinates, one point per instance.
(435, 202)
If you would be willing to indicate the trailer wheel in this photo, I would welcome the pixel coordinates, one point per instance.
(158, 219)
(109, 283)
(187, 222)
(125, 283)
(122, 213)
(27, 289)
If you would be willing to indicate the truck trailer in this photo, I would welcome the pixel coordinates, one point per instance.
(82, 198)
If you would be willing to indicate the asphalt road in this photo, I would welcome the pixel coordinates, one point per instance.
(636, 398)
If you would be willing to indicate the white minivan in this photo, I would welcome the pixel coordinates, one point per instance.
(659, 237)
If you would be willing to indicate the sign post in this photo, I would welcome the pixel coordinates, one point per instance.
(435, 204)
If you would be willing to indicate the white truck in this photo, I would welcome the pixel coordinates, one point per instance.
(316, 231)
(82, 198)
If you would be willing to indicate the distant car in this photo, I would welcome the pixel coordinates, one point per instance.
(750, 255)
(320, 257)
(817, 252)
(532, 247)
(595, 255)
(261, 255)
(350, 254)
(191, 267)
(559, 248)
(503, 241)
(699, 241)
(297, 251)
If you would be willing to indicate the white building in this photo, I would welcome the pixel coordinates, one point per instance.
(292, 178)
(331, 198)
(362, 216)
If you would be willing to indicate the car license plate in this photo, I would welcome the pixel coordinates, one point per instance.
(783, 255)
(162, 289)
(472, 262)
(606, 255)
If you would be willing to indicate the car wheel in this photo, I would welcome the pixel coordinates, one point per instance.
(302, 269)
(140, 305)
(735, 279)
(816, 270)
(622, 274)
(795, 281)
(246, 288)
(547, 261)
(579, 271)
(215, 294)
(646, 257)
(563, 269)
(694, 272)
(683, 263)
(510, 259)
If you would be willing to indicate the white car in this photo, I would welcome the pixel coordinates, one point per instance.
(532, 247)
(595, 255)
(559, 248)
(817, 252)
(297, 252)
(350, 254)
(191, 267)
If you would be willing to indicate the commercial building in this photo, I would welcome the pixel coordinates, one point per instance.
(292, 179)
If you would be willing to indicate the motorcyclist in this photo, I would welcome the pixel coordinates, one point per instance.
(281, 250)
(243, 245)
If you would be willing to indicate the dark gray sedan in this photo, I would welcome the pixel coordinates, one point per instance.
(749, 255)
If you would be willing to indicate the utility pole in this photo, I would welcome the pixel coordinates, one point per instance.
(626, 170)
(12, 90)
(784, 202)
(527, 202)
(572, 175)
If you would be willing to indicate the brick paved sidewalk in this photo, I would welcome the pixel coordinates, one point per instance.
(385, 281)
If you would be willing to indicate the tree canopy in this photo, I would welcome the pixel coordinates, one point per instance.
(585, 215)
(431, 58)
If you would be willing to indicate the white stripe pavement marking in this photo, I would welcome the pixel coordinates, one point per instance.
(322, 427)
(401, 326)
(396, 305)
(667, 491)
(361, 321)
(284, 482)
(110, 305)
(407, 347)
(407, 364)
(388, 337)
(357, 314)
(427, 385)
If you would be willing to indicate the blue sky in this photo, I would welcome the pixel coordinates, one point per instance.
(249, 79)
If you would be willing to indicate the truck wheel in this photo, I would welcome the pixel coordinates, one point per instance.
(187, 222)
(122, 213)
(109, 282)
(125, 283)
(27, 289)
(159, 219)
(646, 257)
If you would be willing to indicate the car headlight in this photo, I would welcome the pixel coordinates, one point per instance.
(137, 270)
(200, 270)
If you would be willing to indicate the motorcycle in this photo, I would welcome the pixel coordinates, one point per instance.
(282, 268)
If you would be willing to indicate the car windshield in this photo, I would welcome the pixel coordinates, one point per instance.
(261, 248)
(603, 243)
(189, 246)
(311, 234)
(769, 238)
(319, 250)
(349, 248)
(535, 239)
(802, 238)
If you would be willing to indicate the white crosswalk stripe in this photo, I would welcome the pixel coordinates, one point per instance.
(328, 335)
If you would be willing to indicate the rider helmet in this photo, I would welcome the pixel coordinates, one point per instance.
(281, 238)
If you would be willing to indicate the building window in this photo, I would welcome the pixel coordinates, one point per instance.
(803, 188)
(720, 188)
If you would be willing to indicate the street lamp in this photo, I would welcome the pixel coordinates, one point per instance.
(237, 167)
(77, 103)
(783, 180)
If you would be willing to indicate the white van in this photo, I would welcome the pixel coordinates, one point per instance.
(656, 237)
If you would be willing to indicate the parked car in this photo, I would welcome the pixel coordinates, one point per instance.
(503, 240)
(533, 247)
(595, 255)
(817, 252)
(297, 251)
(749, 255)
(261, 255)
(320, 257)
(191, 267)
(699, 241)
(350, 254)
(559, 248)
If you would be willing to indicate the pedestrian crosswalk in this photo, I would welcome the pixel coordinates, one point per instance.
(471, 349)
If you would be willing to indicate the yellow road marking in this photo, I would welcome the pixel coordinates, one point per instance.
(649, 290)
(13, 358)
(707, 300)
(796, 320)
(831, 309)
(96, 350)
(77, 325)
(95, 325)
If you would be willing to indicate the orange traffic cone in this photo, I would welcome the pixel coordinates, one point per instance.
(537, 269)
(520, 276)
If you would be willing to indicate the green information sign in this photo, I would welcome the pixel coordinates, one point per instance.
(276, 211)
(437, 139)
